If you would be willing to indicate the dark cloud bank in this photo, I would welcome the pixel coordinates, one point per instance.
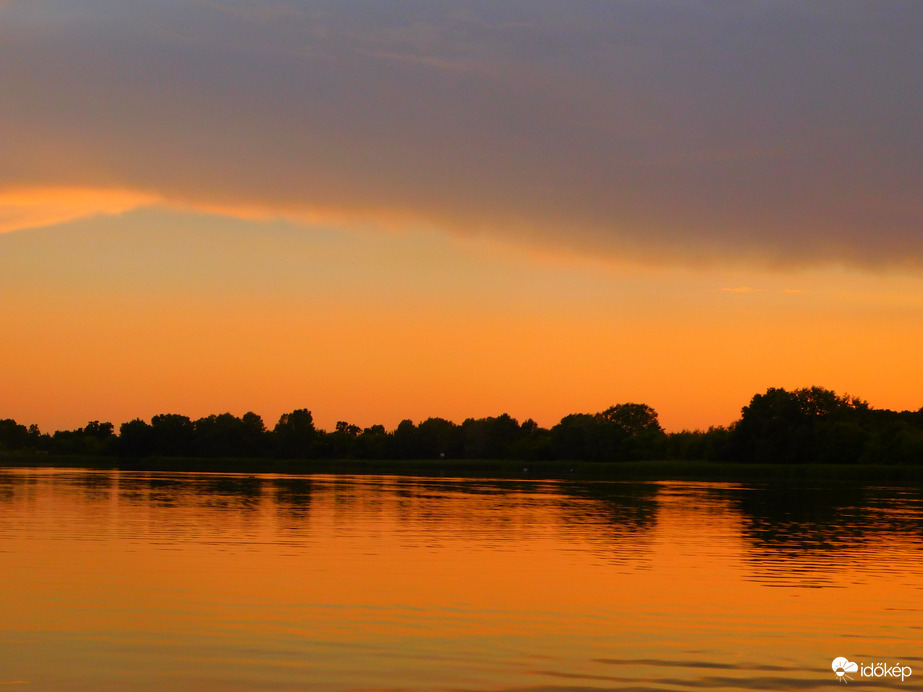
(777, 132)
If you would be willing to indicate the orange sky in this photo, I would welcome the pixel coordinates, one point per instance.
(410, 212)
(156, 311)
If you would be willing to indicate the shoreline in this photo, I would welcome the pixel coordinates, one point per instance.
(659, 470)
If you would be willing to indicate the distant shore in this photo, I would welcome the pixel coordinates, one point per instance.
(487, 468)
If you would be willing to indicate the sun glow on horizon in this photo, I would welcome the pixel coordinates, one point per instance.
(155, 311)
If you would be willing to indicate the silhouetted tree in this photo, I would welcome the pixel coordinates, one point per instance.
(173, 435)
(698, 445)
(375, 443)
(809, 424)
(632, 419)
(135, 438)
(94, 440)
(405, 440)
(584, 436)
(781, 426)
(14, 436)
(638, 430)
(437, 437)
(486, 438)
(97, 438)
(294, 434)
(253, 435)
(101, 431)
(226, 435)
(347, 428)
(339, 444)
(620, 433)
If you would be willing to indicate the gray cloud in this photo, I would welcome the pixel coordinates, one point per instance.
(772, 132)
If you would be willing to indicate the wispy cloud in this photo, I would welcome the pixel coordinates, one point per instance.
(743, 289)
(663, 132)
(24, 208)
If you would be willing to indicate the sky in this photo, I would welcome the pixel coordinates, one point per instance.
(394, 210)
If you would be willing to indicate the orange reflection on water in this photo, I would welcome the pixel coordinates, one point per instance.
(353, 583)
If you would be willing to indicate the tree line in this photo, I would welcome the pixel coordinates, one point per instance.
(779, 426)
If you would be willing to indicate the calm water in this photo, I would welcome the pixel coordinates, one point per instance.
(118, 581)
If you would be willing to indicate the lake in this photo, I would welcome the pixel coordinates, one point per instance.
(115, 580)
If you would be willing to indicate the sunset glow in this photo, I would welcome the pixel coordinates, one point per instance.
(405, 213)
